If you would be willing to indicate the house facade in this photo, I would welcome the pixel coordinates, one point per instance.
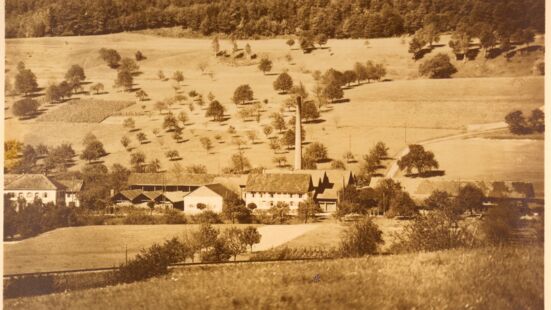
(210, 197)
(34, 186)
(267, 189)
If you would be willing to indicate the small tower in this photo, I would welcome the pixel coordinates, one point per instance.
(298, 135)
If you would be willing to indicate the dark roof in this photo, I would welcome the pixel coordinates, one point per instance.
(72, 186)
(32, 182)
(279, 183)
(170, 179)
(318, 176)
(129, 194)
(174, 196)
(220, 190)
(151, 195)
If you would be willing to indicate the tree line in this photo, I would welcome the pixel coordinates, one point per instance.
(244, 19)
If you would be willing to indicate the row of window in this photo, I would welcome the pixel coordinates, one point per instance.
(36, 194)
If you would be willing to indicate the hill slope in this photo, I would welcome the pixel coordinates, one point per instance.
(504, 278)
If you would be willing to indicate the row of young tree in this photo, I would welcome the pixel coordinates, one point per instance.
(350, 18)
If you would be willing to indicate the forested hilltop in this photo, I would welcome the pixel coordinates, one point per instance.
(250, 18)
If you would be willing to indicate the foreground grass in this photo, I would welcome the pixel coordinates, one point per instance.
(490, 278)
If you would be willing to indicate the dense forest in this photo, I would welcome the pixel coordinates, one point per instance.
(251, 18)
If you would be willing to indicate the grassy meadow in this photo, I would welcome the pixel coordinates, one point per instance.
(87, 247)
(486, 278)
(84, 111)
(482, 92)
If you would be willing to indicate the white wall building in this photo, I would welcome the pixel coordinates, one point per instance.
(31, 186)
(212, 196)
(266, 190)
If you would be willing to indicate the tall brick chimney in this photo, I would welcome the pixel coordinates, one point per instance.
(298, 135)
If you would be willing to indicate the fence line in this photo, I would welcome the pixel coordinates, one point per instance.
(171, 266)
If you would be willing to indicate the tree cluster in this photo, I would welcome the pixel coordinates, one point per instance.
(341, 19)
(520, 125)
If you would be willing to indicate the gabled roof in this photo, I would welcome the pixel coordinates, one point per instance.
(336, 176)
(220, 190)
(130, 194)
(318, 176)
(170, 179)
(175, 196)
(151, 195)
(8, 178)
(72, 186)
(32, 182)
(279, 183)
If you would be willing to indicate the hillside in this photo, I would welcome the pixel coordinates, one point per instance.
(404, 109)
(245, 19)
(488, 278)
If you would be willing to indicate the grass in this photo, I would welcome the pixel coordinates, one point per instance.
(86, 247)
(84, 111)
(487, 278)
(328, 235)
(376, 111)
(491, 160)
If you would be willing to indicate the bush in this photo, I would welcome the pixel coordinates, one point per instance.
(219, 252)
(361, 238)
(206, 217)
(152, 262)
(174, 217)
(500, 222)
(435, 231)
(139, 218)
(438, 67)
(291, 253)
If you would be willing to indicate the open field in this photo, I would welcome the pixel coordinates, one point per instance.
(376, 111)
(491, 160)
(85, 111)
(488, 278)
(328, 235)
(87, 247)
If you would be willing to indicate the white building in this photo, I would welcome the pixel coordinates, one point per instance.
(34, 186)
(72, 189)
(266, 190)
(208, 197)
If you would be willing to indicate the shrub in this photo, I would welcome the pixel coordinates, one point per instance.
(174, 217)
(435, 231)
(438, 67)
(139, 218)
(219, 252)
(206, 217)
(152, 262)
(361, 238)
(500, 222)
(286, 253)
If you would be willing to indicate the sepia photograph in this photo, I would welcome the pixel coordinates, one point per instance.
(274, 154)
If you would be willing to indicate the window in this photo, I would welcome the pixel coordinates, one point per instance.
(299, 195)
(45, 195)
(272, 195)
(29, 195)
(291, 203)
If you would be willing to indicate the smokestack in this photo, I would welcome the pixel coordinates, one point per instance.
(298, 135)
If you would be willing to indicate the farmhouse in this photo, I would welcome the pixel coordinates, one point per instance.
(266, 190)
(72, 188)
(40, 186)
(208, 197)
(327, 184)
(328, 193)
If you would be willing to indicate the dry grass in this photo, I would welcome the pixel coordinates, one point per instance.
(86, 247)
(328, 235)
(84, 111)
(489, 278)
